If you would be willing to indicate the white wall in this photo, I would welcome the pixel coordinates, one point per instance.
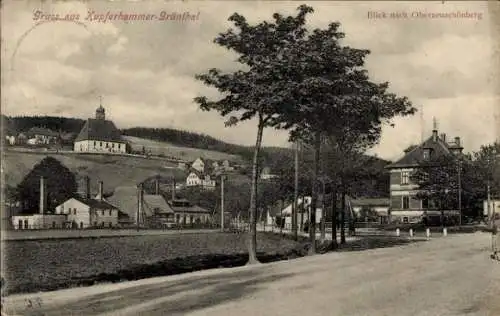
(99, 146)
(494, 205)
(39, 221)
(76, 211)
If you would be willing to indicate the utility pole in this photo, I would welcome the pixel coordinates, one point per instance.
(459, 193)
(488, 202)
(323, 214)
(222, 178)
(296, 193)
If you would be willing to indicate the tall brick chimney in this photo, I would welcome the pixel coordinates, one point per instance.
(140, 197)
(86, 183)
(42, 195)
(457, 141)
(157, 186)
(443, 137)
(101, 190)
(173, 189)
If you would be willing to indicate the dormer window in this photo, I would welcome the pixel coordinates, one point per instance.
(427, 154)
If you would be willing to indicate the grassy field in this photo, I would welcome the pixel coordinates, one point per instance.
(31, 266)
(113, 170)
(184, 153)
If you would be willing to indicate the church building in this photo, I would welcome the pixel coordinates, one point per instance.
(100, 135)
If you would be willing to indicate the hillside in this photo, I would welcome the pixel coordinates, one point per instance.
(114, 171)
(184, 153)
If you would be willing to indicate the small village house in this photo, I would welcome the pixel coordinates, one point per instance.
(266, 174)
(188, 214)
(86, 212)
(100, 135)
(376, 206)
(41, 136)
(198, 165)
(200, 179)
(405, 206)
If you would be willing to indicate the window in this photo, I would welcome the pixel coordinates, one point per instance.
(95, 144)
(178, 218)
(74, 211)
(425, 203)
(102, 212)
(405, 177)
(405, 220)
(427, 154)
(406, 202)
(110, 212)
(100, 144)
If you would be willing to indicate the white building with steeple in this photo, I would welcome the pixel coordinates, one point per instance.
(100, 135)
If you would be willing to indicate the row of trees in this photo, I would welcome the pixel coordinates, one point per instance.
(308, 83)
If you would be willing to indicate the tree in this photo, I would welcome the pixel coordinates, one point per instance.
(335, 97)
(261, 92)
(60, 184)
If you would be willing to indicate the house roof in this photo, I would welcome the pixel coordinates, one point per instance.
(100, 130)
(156, 202)
(415, 156)
(370, 202)
(187, 207)
(125, 199)
(42, 131)
(96, 204)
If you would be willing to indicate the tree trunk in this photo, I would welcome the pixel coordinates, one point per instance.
(314, 193)
(295, 194)
(342, 219)
(252, 232)
(334, 220)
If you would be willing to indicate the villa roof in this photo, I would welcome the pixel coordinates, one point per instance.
(415, 156)
(99, 130)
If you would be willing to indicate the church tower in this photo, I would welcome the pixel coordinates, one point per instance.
(100, 112)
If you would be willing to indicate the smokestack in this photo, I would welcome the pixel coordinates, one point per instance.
(457, 141)
(101, 190)
(173, 189)
(434, 130)
(140, 196)
(87, 187)
(157, 186)
(443, 137)
(42, 195)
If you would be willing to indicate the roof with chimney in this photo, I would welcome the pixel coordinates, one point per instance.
(156, 204)
(95, 203)
(125, 199)
(100, 130)
(437, 146)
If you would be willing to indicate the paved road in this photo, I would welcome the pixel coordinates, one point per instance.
(445, 276)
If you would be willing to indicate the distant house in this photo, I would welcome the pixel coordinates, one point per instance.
(187, 213)
(159, 213)
(41, 136)
(198, 165)
(100, 135)
(197, 178)
(379, 206)
(182, 165)
(266, 174)
(85, 213)
(405, 206)
(226, 165)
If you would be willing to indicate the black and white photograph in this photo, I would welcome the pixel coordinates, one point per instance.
(250, 158)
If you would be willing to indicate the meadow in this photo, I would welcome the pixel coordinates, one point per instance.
(184, 153)
(41, 265)
(113, 170)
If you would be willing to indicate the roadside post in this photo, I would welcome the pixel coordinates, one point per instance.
(397, 232)
(411, 232)
(427, 233)
(445, 232)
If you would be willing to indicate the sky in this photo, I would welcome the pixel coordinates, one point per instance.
(144, 70)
